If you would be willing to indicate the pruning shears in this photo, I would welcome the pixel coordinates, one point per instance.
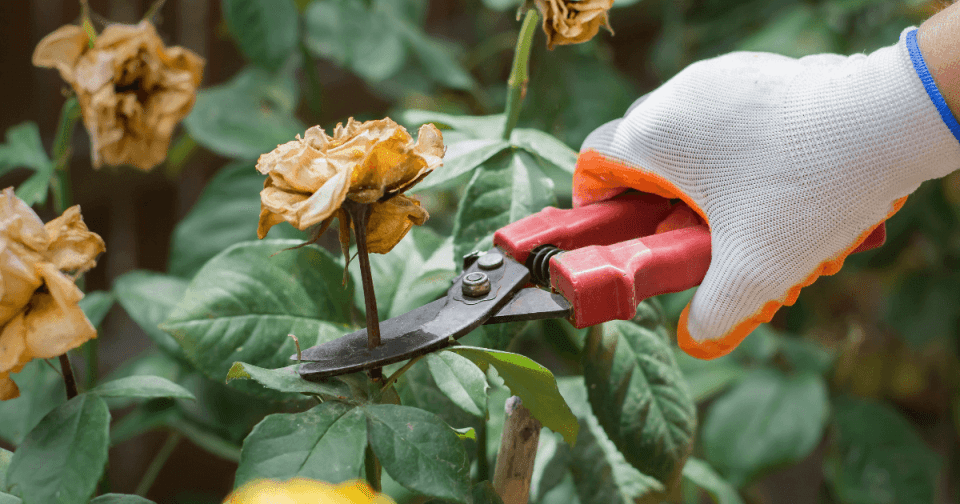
(588, 265)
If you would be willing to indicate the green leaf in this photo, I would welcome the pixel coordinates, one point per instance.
(465, 433)
(698, 473)
(768, 420)
(363, 39)
(640, 398)
(417, 271)
(508, 187)
(114, 498)
(267, 31)
(148, 298)
(436, 58)
(551, 465)
(461, 159)
(484, 493)
(243, 304)
(796, 32)
(488, 127)
(226, 213)
(556, 159)
(142, 386)
(532, 383)
(5, 457)
(41, 390)
(95, 306)
(24, 149)
(601, 473)
(287, 379)
(878, 456)
(324, 443)
(250, 115)
(575, 91)
(923, 308)
(462, 381)
(419, 451)
(706, 379)
(6, 498)
(417, 388)
(63, 457)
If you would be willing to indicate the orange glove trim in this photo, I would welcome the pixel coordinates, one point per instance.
(597, 178)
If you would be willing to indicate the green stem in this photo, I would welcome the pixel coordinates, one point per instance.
(517, 85)
(159, 460)
(483, 465)
(398, 373)
(373, 469)
(69, 114)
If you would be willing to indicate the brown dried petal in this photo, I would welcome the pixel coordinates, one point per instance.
(391, 220)
(309, 178)
(55, 323)
(573, 22)
(61, 50)
(8, 389)
(303, 210)
(132, 90)
(73, 247)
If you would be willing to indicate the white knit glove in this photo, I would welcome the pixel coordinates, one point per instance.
(792, 162)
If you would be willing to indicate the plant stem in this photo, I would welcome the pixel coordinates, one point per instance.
(398, 373)
(68, 380)
(373, 469)
(360, 215)
(483, 464)
(62, 195)
(517, 85)
(159, 460)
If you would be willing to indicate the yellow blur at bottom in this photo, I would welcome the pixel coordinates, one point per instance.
(306, 491)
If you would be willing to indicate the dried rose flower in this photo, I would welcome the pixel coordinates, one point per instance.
(39, 315)
(306, 491)
(132, 90)
(371, 162)
(573, 22)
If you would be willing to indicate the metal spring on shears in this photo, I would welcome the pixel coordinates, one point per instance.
(539, 264)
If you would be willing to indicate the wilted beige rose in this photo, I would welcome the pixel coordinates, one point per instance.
(306, 491)
(573, 22)
(132, 90)
(372, 162)
(39, 315)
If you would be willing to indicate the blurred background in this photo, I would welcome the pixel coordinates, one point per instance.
(888, 322)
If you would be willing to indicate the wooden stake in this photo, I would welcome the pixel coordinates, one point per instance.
(518, 450)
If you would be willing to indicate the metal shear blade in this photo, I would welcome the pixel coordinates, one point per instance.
(436, 324)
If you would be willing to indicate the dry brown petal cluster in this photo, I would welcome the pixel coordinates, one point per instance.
(573, 22)
(39, 315)
(371, 162)
(132, 90)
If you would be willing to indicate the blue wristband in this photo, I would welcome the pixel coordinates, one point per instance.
(921, 67)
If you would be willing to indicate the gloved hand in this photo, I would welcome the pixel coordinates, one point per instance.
(792, 163)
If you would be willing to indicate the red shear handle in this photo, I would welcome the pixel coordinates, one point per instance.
(612, 221)
(608, 282)
(607, 271)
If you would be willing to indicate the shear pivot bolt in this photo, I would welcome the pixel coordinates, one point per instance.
(476, 284)
(490, 261)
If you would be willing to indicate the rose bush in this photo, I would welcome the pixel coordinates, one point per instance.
(626, 416)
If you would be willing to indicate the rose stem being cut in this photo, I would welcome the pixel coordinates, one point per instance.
(360, 214)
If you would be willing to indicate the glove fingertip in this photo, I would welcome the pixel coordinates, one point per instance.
(711, 348)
